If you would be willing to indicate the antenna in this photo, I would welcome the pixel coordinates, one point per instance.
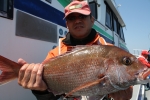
(119, 5)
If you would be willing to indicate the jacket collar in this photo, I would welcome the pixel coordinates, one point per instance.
(69, 40)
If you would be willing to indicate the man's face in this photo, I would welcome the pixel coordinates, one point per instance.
(79, 25)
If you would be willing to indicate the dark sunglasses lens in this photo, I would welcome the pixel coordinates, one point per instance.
(72, 18)
(82, 16)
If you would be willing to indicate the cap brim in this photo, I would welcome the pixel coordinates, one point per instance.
(84, 12)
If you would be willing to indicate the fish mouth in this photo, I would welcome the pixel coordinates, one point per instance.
(142, 76)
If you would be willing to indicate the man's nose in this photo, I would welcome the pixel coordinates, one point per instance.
(77, 20)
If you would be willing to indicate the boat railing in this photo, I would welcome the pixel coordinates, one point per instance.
(137, 52)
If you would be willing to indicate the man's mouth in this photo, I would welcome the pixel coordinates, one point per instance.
(78, 27)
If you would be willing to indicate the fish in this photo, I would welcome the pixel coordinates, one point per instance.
(94, 70)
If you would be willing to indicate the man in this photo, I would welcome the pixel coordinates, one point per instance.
(144, 59)
(79, 22)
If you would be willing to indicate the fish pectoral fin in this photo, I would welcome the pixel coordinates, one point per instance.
(85, 85)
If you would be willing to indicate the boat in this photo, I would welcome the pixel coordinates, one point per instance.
(30, 28)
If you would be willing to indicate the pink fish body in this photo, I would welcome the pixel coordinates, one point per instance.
(87, 70)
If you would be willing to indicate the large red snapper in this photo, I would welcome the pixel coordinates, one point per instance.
(86, 70)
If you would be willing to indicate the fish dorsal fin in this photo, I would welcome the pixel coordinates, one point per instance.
(77, 48)
(85, 85)
(71, 50)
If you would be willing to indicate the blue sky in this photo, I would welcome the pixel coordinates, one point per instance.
(136, 15)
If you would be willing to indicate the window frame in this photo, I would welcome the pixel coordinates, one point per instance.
(95, 8)
(9, 9)
(110, 23)
(115, 19)
(121, 33)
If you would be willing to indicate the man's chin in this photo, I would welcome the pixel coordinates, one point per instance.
(80, 36)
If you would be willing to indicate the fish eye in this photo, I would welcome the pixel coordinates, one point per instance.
(126, 61)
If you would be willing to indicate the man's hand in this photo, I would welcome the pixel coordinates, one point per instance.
(30, 76)
(123, 94)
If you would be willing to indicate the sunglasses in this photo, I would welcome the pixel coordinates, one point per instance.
(73, 18)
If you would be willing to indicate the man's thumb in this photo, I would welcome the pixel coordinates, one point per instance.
(21, 61)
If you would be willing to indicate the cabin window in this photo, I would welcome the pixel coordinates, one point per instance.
(108, 18)
(112, 22)
(6, 8)
(93, 7)
(115, 26)
(121, 33)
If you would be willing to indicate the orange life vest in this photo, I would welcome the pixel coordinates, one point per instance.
(64, 48)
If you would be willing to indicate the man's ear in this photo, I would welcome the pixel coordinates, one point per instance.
(66, 24)
(92, 20)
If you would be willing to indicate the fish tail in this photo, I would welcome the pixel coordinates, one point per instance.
(8, 70)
